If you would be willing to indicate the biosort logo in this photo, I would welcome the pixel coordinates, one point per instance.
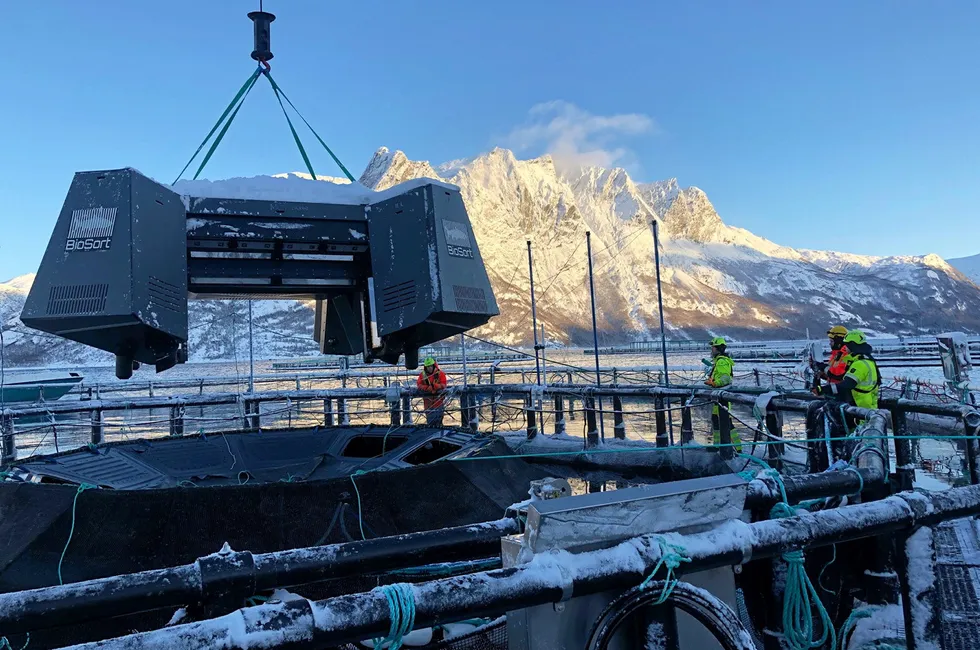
(88, 244)
(91, 229)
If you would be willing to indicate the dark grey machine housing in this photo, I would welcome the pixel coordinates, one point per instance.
(429, 281)
(387, 277)
(114, 273)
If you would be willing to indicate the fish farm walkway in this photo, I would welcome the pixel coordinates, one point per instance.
(958, 577)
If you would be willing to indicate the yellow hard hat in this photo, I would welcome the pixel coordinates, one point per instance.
(837, 332)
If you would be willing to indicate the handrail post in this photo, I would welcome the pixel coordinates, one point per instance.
(176, 420)
(328, 417)
(774, 425)
(619, 426)
(725, 431)
(592, 429)
(971, 451)
(559, 415)
(97, 430)
(8, 448)
(663, 440)
(687, 426)
(904, 471)
(529, 413)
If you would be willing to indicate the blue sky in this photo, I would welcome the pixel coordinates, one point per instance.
(843, 125)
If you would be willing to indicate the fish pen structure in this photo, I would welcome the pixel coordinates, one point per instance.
(323, 557)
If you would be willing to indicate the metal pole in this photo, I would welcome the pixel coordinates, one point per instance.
(534, 314)
(595, 329)
(663, 334)
(251, 352)
(544, 364)
(462, 346)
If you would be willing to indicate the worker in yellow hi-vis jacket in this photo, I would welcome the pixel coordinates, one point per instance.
(720, 375)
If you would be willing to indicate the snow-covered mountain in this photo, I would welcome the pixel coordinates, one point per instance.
(968, 266)
(717, 279)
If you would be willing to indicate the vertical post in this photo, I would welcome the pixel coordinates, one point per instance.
(494, 402)
(971, 451)
(559, 414)
(725, 429)
(592, 432)
(299, 386)
(476, 402)
(660, 304)
(462, 347)
(394, 409)
(687, 426)
(534, 316)
(663, 440)
(8, 450)
(97, 430)
(251, 353)
(914, 552)
(342, 417)
(904, 471)
(544, 364)
(774, 425)
(177, 420)
(407, 410)
(758, 382)
(532, 425)
(328, 419)
(619, 426)
(595, 330)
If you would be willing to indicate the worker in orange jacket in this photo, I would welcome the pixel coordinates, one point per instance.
(835, 368)
(432, 381)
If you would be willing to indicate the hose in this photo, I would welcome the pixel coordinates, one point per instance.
(716, 616)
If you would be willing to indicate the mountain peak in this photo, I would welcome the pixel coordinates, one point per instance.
(388, 168)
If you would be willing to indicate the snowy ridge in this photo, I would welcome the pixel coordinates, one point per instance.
(718, 279)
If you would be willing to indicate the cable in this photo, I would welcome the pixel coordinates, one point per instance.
(716, 616)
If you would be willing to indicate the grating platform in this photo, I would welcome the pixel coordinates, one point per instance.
(958, 581)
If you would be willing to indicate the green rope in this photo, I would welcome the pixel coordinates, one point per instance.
(671, 557)
(224, 129)
(401, 611)
(292, 129)
(276, 88)
(74, 505)
(5, 644)
(360, 516)
(239, 96)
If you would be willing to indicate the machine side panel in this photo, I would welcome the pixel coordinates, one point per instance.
(465, 286)
(403, 261)
(85, 275)
(159, 257)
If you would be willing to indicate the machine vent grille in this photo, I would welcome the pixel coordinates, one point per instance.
(76, 299)
(398, 296)
(470, 299)
(165, 294)
(92, 222)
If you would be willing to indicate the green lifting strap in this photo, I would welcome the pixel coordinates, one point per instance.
(279, 91)
(239, 97)
(292, 129)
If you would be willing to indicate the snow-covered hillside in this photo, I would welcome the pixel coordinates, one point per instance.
(968, 266)
(717, 278)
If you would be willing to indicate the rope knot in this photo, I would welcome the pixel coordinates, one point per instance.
(671, 557)
(401, 611)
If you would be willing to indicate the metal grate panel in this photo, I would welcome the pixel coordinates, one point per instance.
(76, 299)
(947, 545)
(956, 592)
(398, 296)
(470, 299)
(962, 635)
